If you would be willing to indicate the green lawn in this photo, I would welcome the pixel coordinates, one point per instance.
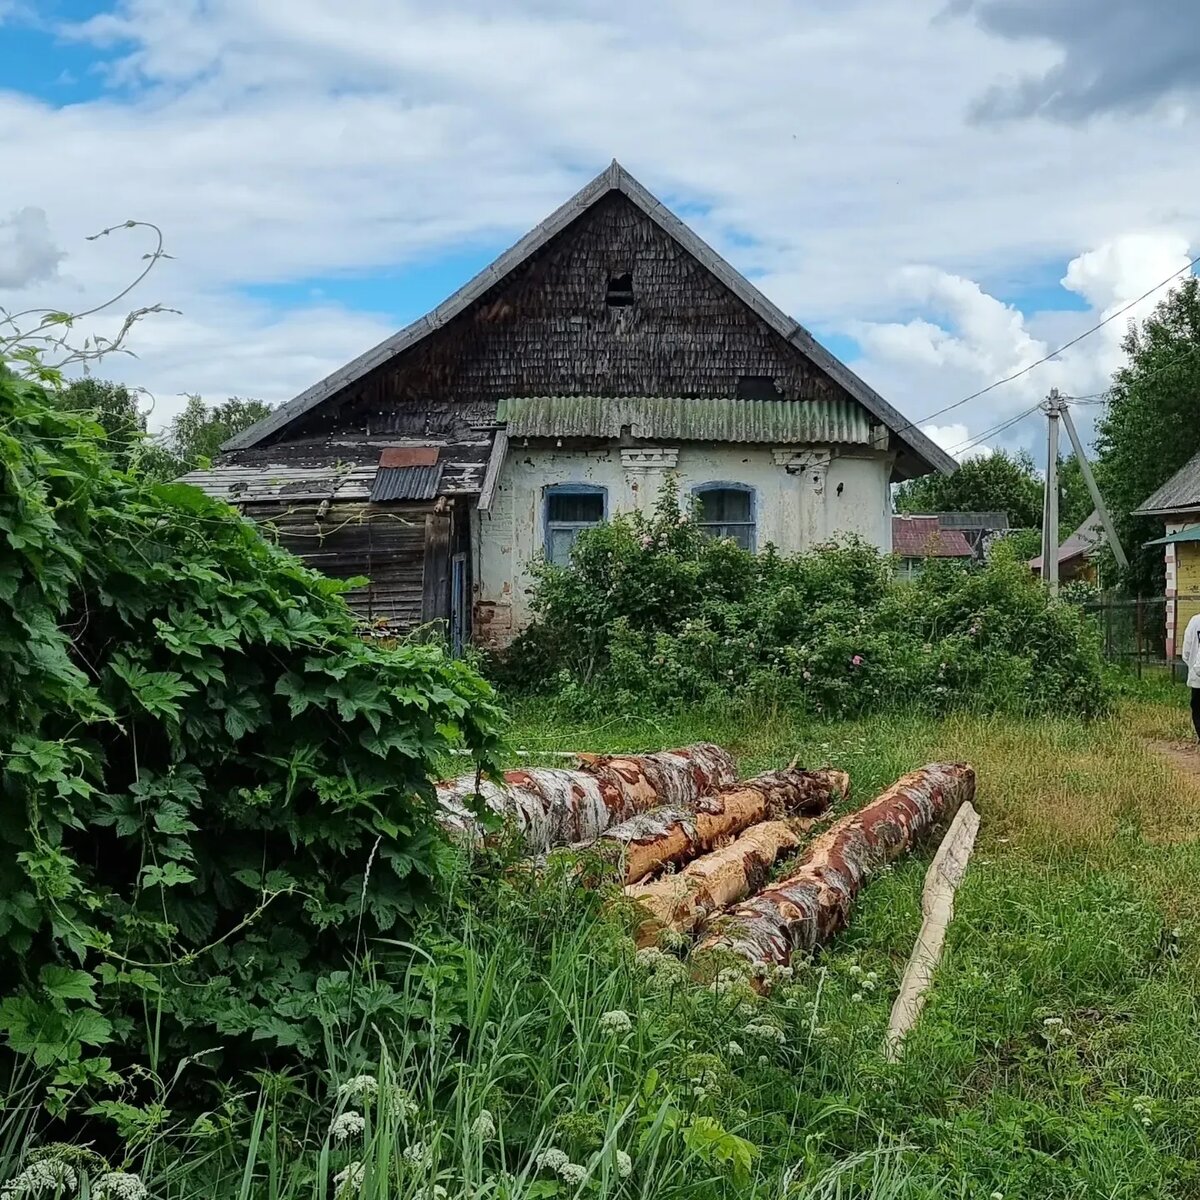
(1059, 1055)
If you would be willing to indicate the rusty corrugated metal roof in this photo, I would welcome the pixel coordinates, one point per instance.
(406, 483)
(779, 422)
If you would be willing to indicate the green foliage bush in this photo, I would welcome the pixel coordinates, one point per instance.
(212, 787)
(652, 613)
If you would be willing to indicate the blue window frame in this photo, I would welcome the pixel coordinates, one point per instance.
(727, 510)
(569, 508)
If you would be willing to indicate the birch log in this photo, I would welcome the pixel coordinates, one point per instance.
(686, 900)
(662, 836)
(937, 908)
(550, 806)
(813, 903)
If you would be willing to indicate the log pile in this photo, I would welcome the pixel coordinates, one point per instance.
(667, 836)
(813, 903)
(697, 848)
(551, 807)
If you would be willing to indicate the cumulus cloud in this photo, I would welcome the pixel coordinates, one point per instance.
(27, 251)
(957, 441)
(1109, 55)
(979, 340)
(821, 146)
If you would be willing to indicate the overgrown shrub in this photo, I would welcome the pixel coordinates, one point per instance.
(212, 787)
(652, 613)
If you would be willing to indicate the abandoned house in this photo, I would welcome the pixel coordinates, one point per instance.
(607, 350)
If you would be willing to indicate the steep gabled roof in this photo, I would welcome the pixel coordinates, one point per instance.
(614, 178)
(1180, 493)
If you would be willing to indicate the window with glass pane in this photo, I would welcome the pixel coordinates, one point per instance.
(728, 512)
(569, 510)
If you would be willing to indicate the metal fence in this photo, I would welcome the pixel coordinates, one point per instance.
(1144, 631)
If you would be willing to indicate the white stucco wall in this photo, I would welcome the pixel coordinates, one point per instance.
(802, 497)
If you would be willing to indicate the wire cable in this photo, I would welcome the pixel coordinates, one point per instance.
(1053, 353)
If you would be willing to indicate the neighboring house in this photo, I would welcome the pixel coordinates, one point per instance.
(1177, 505)
(916, 539)
(1077, 556)
(980, 529)
(608, 350)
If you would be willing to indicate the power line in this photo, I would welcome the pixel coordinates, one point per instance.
(975, 439)
(1053, 353)
(1100, 397)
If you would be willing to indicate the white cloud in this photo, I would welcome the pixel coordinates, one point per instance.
(278, 140)
(983, 340)
(957, 441)
(28, 254)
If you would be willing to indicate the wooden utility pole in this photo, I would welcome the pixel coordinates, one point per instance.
(1052, 408)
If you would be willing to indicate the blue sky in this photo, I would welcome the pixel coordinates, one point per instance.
(324, 174)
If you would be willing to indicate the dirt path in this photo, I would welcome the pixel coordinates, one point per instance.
(1183, 754)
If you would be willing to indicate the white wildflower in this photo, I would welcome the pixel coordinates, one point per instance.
(347, 1125)
(551, 1159)
(350, 1178)
(997, 1196)
(649, 957)
(483, 1128)
(118, 1185)
(856, 997)
(361, 1087)
(746, 1010)
(734, 1050)
(572, 1173)
(1052, 1021)
(50, 1175)
(400, 1104)
(868, 984)
(762, 1030)
(616, 1021)
(763, 1060)
(1147, 1121)
(872, 976)
(854, 969)
(624, 1164)
(417, 1155)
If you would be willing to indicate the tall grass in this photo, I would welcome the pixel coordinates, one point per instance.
(1059, 1055)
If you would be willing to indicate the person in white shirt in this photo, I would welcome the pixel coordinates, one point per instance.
(1191, 656)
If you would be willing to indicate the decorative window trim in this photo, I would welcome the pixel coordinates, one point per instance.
(569, 489)
(722, 485)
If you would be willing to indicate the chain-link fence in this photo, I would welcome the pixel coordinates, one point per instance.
(1144, 631)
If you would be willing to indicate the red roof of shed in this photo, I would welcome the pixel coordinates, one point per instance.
(923, 537)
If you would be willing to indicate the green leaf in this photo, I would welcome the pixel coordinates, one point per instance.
(64, 984)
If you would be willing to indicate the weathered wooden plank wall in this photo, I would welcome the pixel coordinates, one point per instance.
(387, 545)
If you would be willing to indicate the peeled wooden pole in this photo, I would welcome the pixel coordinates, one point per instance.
(655, 839)
(937, 908)
(813, 903)
(550, 806)
(686, 900)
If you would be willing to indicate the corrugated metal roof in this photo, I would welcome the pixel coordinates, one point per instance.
(245, 485)
(970, 520)
(406, 483)
(1181, 491)
(779, 422)
(1191, 534)
(922, 537)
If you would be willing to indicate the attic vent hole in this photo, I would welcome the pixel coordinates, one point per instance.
(620, 291)
(756, 387)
